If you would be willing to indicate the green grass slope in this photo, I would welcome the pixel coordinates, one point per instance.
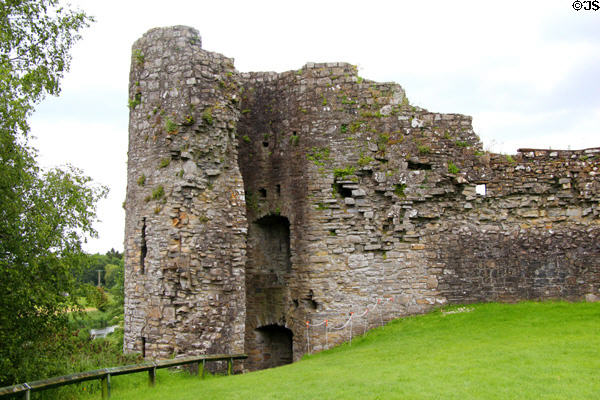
(496, 351)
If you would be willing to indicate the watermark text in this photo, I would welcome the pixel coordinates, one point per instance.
(586, 5)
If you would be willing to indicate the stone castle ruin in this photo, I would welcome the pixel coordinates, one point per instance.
(259, 201)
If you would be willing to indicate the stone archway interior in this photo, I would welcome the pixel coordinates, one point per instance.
(274, 343)
(268, 343)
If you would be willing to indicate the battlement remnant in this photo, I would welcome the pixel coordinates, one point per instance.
(259, 201)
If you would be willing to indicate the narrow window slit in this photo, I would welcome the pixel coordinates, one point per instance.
(143, 249)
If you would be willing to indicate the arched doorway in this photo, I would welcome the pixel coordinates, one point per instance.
(274, 343)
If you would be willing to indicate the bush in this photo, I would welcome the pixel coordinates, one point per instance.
(452, 168)
(96, 297)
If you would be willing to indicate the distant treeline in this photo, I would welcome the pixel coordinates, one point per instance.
(110, 266)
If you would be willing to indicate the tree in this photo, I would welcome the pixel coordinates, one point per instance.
(44, 215)
(99, 262)
(113, 275)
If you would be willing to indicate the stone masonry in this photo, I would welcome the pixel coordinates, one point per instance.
(259, 201)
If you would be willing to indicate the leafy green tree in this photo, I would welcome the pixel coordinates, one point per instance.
(99, 262)
(96, 297)
(35, 39)
(113, 254)
(90, 267)
(115, 281)
(113, 275)
(44, 215)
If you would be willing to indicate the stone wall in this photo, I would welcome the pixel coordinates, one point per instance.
(352, 195)
(534, 235)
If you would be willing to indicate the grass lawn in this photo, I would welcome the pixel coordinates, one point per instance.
(497, 351)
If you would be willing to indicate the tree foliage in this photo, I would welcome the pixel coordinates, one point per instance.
(101, 262)
(110, 268)
(44, 215)
(36, 37)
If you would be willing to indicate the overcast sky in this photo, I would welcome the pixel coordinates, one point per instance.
(527, 71)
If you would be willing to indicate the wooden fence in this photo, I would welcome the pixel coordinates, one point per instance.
(24, 389)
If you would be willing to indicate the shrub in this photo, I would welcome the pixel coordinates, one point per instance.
(364, 160)
(96, 297)
(164, 163)
(318, 155)
(170, 126)
(399, 189)
(452, 168)
(138, 56)
(158, 193)
(343, 172)
(382, 141)
(137, 100)
(422, 149)
(207, 116)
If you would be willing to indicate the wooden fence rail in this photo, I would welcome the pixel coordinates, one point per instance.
(104, 374)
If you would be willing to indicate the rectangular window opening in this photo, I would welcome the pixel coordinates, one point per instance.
(480, 189)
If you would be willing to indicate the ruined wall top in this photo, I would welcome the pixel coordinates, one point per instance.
(163, 34)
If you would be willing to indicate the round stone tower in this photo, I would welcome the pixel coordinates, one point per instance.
(185, 208)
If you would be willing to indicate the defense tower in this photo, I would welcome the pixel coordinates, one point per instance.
(185, 225)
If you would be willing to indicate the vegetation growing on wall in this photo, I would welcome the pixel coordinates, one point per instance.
(318, 155)
(136, 101)
(452, 168)
(364, 160)
(170, 126)
(158, 193)
(399, 189)
(207, 116)
(164, 162)
(343, 172)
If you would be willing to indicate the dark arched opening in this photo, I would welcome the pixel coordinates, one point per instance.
(268, 265)
(274, 342)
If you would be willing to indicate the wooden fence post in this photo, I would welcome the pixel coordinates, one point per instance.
(152, 377)
(105, 386)
(203, 367)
